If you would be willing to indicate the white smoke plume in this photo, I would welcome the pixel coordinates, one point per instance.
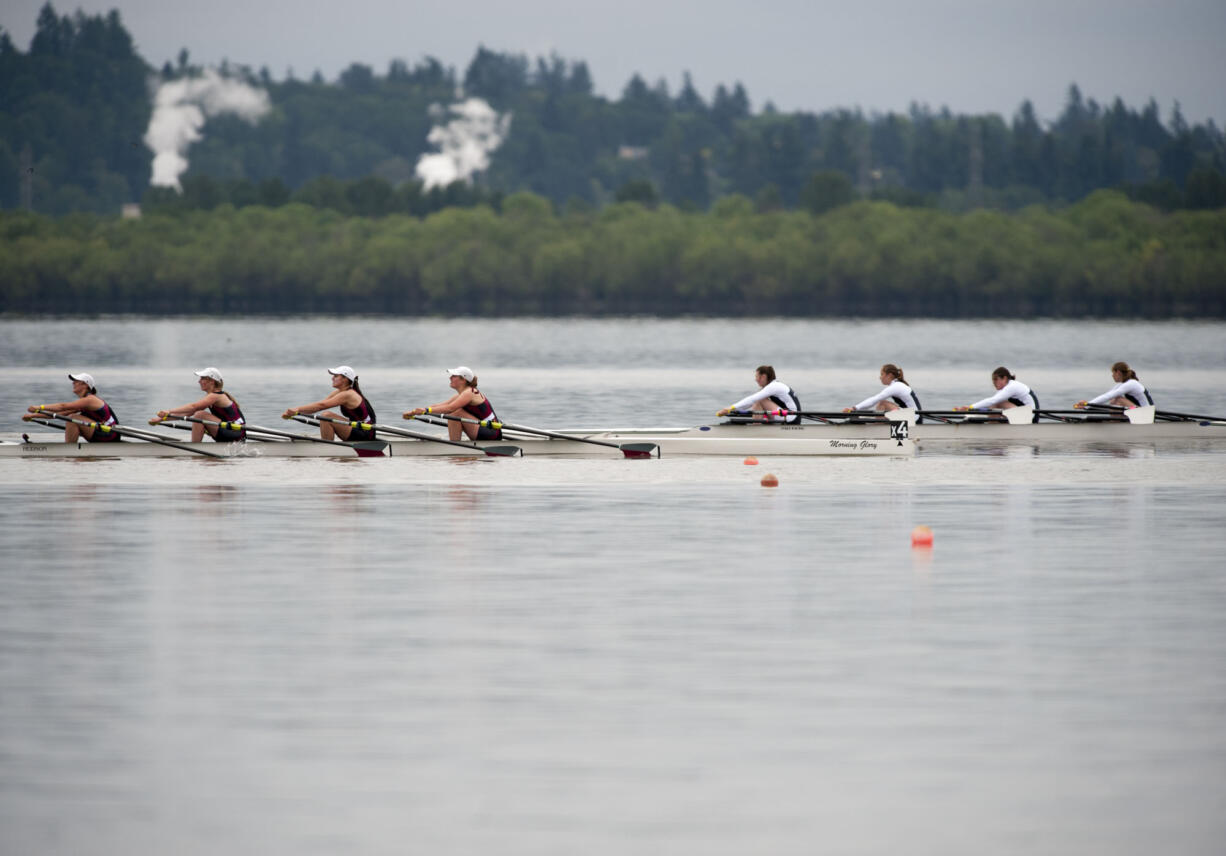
(465, 143)
(179, 110)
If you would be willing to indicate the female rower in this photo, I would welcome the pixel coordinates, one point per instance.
(1127, 392)
(468, 402)
(226, 424)
(897, 393)
(87, 404)
(1010, 392)
(352, 403)
(771, 392)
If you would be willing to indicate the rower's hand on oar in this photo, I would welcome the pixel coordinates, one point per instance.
(848, 409)
(290, 413)
(416, 411)
(1081, 405)
(723, 412)
(960, 408)
(29, 417)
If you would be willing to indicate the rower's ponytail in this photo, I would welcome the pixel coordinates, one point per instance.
(1001, 371)
(1122, 368)
(891, 369)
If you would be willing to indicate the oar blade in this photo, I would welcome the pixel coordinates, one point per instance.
(640, 450)
(503, 451)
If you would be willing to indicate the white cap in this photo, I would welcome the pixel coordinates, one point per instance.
(211, 373)
(462, 371)
(87, 379)
(344, 371)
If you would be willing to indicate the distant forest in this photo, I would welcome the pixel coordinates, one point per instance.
(77, 104)
(655, 203)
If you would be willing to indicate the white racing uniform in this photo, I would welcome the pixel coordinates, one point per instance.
(897, 391)
(778, 392)
(1014, 391)
(1130, 389)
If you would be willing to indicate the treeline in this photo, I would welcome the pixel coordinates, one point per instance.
(1104, 257)
(75, 107)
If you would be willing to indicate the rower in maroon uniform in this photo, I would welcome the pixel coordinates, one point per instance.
(222, 418)
(87, 405)
(354, 406)
(468, 402)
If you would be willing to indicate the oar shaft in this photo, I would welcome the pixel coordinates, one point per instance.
(1169, 414)
(257, 429)
(490, 423)
(499, 451)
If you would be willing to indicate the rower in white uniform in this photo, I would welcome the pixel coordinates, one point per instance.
(1010, 392)
(773, 394)
(897, 393)
(1127, 392)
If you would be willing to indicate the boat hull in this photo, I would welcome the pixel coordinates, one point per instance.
(866, 439)
(766, 440)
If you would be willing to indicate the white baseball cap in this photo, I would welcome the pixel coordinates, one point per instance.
(87, 379)
(344, 371)
(462, 371)
(211, 373)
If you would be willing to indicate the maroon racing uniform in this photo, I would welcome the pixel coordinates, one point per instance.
(484, 412)
(103, 416)
(362, 413)
(227, 433)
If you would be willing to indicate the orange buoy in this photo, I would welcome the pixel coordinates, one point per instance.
(751, 461)
(921, 536)
(769, 480)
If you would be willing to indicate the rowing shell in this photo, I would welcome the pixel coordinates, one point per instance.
(724, 439)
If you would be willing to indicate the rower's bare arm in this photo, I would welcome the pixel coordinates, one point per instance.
(334, 400)
(449, 406)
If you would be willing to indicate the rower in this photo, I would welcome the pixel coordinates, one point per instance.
(771, 392)
(353, 405)
(1010, 392)
(897, 393)
(86, 404)
(468, 400)
(219, 412)
(1127, 392)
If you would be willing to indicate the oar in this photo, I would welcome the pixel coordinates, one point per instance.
(364, 448)
(1170, 415)
(630, 450)
(956, 417)
(136, 433)
(252, 434)
(491, 451)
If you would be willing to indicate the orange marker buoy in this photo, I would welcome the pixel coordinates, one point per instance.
(751, 461)
(769, 480)
(921, 536)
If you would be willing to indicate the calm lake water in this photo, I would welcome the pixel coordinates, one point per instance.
(560, 656)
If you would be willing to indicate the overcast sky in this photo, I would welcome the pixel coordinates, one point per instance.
(879, 55)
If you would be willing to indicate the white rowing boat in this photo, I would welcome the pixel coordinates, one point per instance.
(806, 439)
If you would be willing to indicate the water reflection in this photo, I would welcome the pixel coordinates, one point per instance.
(214, 499)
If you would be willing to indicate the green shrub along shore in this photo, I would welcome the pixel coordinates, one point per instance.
(1105, 256)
